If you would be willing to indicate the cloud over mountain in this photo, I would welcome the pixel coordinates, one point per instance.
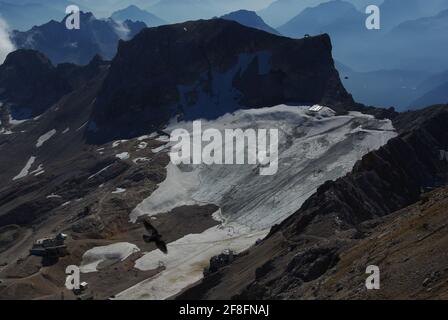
(6, 45)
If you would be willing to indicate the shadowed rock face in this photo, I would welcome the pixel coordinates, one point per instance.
(29, 83)
(383, 182)
(208, 68)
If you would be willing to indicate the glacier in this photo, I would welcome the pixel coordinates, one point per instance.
(314, 147)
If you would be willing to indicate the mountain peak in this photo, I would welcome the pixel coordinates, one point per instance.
(339, 18)
(180, 69)
(249, 19)
(134, 13)
(27, 58)
(241, 12)
(85, 16)
(96, 36)
(133, 7)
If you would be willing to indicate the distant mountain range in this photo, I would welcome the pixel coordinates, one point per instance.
(280, 12)
(178, 11)
(435, 96)
(184, 10)
(394, 12)
(134, 13)
(77, 46)
(386, 66)
(249, 19)
(383, 88)
(105, 8)
(340, 19)
(433, 90)
(417, 44)
(345, 25)
(392, 49)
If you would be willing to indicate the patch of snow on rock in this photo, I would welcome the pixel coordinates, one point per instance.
(40, 170)
(119, 190)
(123, 155)
(99, 172)
(109, 254)
(65, 204)
(163, 139)
(142, 145)
(161, 148)
(53, 196)
(82, 126)
(5, 131)
(45, 137)
(141, 160)
(24, 172)
(16, 122)
(117, 143)
(146, 137)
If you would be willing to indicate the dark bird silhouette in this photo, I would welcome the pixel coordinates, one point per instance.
(154, 236)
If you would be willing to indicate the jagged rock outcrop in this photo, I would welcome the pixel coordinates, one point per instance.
(208, 68)
(29, 83)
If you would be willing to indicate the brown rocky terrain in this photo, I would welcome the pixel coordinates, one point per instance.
(409, 247)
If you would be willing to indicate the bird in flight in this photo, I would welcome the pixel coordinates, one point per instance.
(154, 236)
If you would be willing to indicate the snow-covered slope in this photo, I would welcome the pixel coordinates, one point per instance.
(92, 258)
(313, 147)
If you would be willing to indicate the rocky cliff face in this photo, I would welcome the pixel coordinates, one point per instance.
(308, 245)
(29, 83)
(208, 68)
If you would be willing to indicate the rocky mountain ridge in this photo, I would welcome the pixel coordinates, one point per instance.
(207, 68)
(61, 45)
